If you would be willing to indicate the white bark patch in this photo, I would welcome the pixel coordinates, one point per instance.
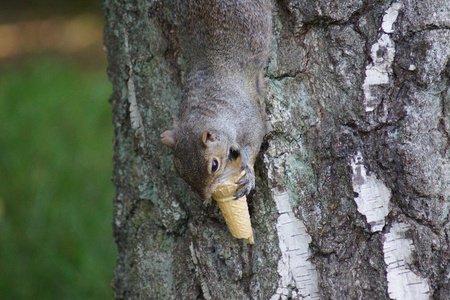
(298, 276)
(373, 196)
(135, 115)
(382, 54)
(390, 16)
(403, 284)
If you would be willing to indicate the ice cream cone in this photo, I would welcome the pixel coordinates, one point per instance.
(235, 212)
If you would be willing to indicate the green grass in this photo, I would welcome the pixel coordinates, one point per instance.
(55, 189)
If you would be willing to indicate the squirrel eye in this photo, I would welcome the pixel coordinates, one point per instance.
(233, 154)
(214, 165)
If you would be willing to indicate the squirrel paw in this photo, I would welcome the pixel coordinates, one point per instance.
(246, 184)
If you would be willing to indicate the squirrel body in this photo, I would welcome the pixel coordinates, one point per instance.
(222, 115)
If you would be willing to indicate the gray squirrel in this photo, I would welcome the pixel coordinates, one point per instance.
(222, 115)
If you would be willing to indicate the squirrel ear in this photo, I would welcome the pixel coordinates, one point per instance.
(168, 138)
(207, 136)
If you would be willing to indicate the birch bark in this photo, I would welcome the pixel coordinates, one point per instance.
(353, 181)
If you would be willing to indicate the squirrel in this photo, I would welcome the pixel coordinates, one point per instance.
(222, 114)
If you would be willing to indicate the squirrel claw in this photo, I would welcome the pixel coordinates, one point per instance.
(242, 181)
(239, 194)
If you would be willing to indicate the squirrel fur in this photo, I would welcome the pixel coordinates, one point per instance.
(222, 116)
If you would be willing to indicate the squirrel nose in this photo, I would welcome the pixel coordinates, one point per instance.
(206, 195)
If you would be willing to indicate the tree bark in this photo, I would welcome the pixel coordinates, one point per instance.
(353, 180)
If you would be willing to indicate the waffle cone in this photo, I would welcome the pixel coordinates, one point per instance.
(235, 212)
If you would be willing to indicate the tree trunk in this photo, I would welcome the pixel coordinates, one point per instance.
(352, 194)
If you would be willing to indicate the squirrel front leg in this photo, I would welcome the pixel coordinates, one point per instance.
(247, 182)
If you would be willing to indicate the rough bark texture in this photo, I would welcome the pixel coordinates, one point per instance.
(352, 181)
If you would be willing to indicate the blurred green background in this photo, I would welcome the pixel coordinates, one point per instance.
(55, 152)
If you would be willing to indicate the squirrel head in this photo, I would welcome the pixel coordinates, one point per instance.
(202, 162)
